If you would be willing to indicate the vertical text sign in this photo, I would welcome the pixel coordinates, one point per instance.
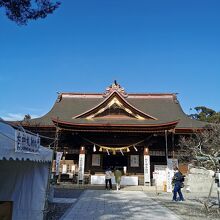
(146, 169)
(171, 163)
(58, 159)
(81, 167)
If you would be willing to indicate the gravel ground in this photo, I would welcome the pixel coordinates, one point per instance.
(190, 209)
(56, 210)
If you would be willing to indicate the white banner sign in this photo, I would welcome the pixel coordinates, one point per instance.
(146, 169)
(171, 164)
(160, 174)
(81, 167)
(64, 168)
(96, 160)
(134, 161)
(58, 159)
(26, 143)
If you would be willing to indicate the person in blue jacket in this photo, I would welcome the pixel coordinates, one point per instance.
(178, 180)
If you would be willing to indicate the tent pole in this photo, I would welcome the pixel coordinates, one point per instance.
(47, 194)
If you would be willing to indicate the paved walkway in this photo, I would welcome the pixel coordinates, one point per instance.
(107, 205)
(64, 200)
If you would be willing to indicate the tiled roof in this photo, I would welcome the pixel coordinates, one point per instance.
(164, 107)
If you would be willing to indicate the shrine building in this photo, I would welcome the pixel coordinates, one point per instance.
(115, 129)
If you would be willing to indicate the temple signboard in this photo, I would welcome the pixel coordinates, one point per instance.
(171, 164)
(96, 160)
(58, 159)
(26, 143)
(134, 159)
(146, 169)
(81, 167)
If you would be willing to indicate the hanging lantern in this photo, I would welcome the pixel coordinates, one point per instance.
(146, 150)
(100, 149)
(94, 148)
(128, 150)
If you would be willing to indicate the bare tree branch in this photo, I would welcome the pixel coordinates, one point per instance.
(202, 149)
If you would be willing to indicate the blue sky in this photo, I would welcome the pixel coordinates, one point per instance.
(152, 46)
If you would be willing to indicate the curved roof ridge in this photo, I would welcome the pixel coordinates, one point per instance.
(139, 93)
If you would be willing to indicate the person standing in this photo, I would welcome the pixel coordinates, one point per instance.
(178, 180)
(118, 175)
(108, 178)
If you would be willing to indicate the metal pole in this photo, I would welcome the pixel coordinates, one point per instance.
(47, 191)
(218, 199)
(56, 148)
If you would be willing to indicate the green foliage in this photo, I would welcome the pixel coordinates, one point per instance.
(27, 117)
(22, 11)
(206, 114)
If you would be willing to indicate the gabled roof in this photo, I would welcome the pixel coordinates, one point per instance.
(117, 99)
(144, 110)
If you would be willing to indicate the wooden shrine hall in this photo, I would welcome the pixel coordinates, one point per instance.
(115, 129)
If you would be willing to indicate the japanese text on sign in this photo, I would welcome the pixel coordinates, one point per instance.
(26, 143)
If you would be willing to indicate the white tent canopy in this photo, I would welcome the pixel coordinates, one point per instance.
(24, 177)
(7, 147)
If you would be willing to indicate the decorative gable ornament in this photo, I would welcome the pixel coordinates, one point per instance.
(115, 87)
(115, 103)
(115, 106)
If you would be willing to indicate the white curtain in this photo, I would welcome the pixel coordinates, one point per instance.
(24, 183)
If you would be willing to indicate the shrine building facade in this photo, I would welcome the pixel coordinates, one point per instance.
(115, 129)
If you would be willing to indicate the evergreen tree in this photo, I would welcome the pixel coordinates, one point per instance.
(22, 11)
(206, 114)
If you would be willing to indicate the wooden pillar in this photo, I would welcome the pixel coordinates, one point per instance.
(166, 147)
(146, 166)
(173, 151)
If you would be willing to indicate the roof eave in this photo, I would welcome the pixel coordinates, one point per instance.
(115, 127)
